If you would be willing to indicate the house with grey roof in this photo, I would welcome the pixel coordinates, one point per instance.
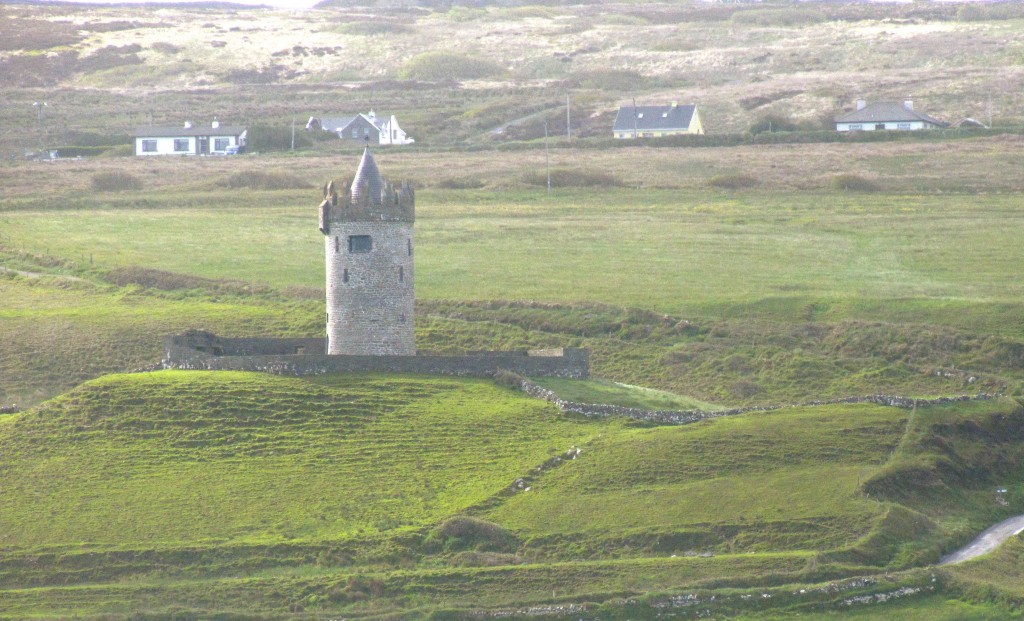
(362, 128)
(656, 121)
(886, 115)
(212, 139)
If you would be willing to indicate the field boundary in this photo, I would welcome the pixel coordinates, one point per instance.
(683, 417)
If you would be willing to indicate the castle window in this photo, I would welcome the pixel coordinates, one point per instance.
(401, 318)
(401, 274)
(408, 244)
(337, 244)
(344, 275)
(359, 244)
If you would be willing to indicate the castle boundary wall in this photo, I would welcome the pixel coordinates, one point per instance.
(305, 356)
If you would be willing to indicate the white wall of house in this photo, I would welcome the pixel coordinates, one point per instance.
(889, 125)
(186, 145)
(391, 133)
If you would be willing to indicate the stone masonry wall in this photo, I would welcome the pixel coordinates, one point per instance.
(682, 417)
(370, 297)
(197, 351)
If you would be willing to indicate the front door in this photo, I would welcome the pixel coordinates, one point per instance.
(203, 145)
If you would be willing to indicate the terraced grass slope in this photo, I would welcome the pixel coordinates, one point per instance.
(235, 495)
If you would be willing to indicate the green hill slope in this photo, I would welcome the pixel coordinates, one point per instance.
(237, 495)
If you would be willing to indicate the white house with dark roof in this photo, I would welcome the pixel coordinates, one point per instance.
(656, 121)
(214, 139)
(886, 115)
(363, 128)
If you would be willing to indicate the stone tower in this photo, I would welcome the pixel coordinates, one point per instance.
(367, 225)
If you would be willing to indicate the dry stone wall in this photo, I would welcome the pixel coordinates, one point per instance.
(682, 417)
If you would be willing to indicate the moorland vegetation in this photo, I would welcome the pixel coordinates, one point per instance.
(744, 273)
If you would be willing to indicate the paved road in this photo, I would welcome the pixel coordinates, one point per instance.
(987, 541)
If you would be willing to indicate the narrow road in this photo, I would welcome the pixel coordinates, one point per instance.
(987, 541)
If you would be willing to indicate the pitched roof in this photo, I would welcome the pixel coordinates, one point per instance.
(334, 123)
(177, 131)
(882, 111)
(654, 117)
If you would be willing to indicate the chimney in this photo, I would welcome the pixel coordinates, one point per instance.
(861, 104)
(215, 123)
(188, 124)
(908, 104)
(675, 104)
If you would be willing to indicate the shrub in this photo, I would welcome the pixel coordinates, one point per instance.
(508, 379)
(773, 123)
(115, 181)
(276, 138)
(469, 533)
(736, 181)
(448, 66)
(778, 17)
(608, 79)
(371, 28)
(854, 183)
(261, 180)
(572, 178)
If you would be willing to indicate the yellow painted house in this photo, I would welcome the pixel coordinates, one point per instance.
(657, 121)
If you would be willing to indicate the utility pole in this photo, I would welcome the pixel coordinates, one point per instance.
(634, 118)
(40, 105)
(568, 120)
(293, 133)
(547, 158)
(990, 109)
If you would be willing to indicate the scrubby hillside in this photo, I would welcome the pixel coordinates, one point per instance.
(263, 497)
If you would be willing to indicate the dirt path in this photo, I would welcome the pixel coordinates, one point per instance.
(987, 541)
(27, 274)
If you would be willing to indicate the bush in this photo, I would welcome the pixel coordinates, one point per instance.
(572, 178)
(448, 66)
(469, 533)
(508, 379)
(778, 17)
(260, 180)
(854, 183)
(276, 138)
(735, 181)
(773, 123)
(371, 28)
(115, 181)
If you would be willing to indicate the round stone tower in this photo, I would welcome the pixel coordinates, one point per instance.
(367, 224)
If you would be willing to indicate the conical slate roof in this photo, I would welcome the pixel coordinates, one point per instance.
(368, 181)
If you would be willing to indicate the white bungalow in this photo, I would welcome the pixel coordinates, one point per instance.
(216, 139)
(886, 115)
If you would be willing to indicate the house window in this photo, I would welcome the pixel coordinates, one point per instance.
(355, 132)
(181, 145)
(149, 146)
(856, 126)
(401, 274)
(879, 125)
(366, 132)
(903, 126)
(359, 244)
(221, 144)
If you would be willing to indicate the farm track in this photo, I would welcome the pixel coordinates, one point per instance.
(989, 539)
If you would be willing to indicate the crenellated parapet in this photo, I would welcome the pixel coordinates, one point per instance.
(366, 197)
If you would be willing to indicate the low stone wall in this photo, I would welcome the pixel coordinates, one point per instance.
(682, 417)
(205, 351)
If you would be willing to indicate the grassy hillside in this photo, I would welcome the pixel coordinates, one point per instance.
(476, 75)
(205, 493)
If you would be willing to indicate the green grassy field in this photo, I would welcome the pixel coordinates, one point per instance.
(218, 493)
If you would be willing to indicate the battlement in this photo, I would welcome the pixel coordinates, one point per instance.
(199, 350)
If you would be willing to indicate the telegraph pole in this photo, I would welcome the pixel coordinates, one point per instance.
(547, 158)
(293, 133)
(634, 118)
(568, 120)
(40, 105)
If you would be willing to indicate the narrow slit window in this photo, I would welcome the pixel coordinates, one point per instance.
(344, 275)
(408, 245)
(337, 244)
(401, 274)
